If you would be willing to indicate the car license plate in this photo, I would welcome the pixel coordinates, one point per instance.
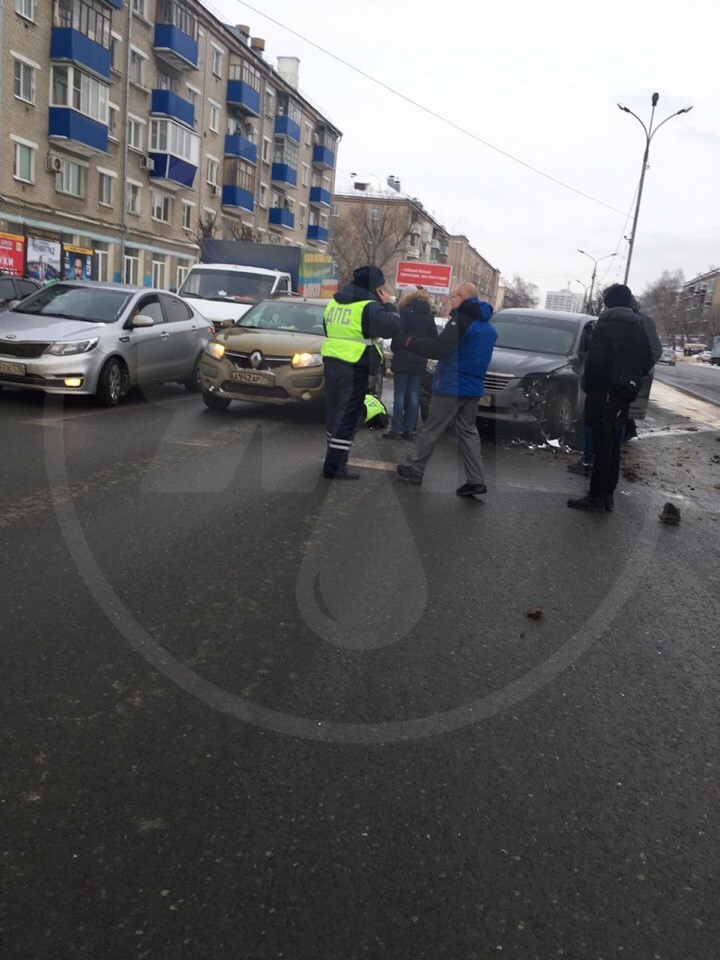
(485, 400)
(265, 378)
(18, 369)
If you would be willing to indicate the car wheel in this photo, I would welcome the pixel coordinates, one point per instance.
(112, 383)
(213, 402)
(561, 420)
(193, 384)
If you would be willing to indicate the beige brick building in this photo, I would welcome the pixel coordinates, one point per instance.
(132, 128)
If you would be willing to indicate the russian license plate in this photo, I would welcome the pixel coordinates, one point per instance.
(485, 400)
(265, 378)
(7, 366)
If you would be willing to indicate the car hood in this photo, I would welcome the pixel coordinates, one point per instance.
(275, 343)
(26, 326)
(518, 363)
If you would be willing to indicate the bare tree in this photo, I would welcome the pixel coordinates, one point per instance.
(521, 293)
(206, 227)
(369, 233)
(661, 301)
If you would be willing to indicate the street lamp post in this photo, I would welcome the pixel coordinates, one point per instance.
(584, 286)
(596, 261)
(649, 134)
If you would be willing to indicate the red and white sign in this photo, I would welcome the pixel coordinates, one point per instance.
(435, 277)
(12, 253)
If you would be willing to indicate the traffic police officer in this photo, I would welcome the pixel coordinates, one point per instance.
(355, 319)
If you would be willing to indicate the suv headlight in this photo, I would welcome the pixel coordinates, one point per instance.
(215, 349)
(68, 348)
(307, 360)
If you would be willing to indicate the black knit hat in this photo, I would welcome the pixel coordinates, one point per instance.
(618, 295)
(368, 277)
(470, 308)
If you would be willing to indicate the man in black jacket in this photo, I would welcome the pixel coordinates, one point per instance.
(416, 320)
(618, 358)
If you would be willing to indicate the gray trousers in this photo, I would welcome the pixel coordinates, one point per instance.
(443, 410)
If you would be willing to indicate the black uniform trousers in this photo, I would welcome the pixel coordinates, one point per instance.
(606, 416)
(345, 387)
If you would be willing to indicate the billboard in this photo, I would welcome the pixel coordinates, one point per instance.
(78, 263)
(434, 277)
(12, 253)
(43, 258)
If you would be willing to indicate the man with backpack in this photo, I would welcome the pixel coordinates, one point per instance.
(618, 358)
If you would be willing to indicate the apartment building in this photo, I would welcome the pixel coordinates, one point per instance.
(137, 127)
(699, 313)
(471, 267)
(563, 300)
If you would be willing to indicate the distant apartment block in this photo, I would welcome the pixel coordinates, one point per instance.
(699, 314)
(564, 300)
(134, 128)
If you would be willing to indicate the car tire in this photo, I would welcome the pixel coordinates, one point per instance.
(213, 402)
(193, 384)
(112, 383)
(562, 419)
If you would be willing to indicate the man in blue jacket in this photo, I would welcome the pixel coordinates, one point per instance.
(463, 350)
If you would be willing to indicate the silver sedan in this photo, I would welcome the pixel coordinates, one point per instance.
(100, 339)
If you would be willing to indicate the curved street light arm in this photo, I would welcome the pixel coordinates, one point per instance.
(628, 110)
(676, 114)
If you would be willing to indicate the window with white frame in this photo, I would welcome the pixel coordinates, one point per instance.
(161, 205)
(137, 67)
(105, 187)
(308, 134)
(214, 118)
(115, 41)
(183, 269)
(26, 8)
(192, 95)
(303, 214)
(266, 150)
(306, 174)
(131, 266)
(217, 60)
(213, 167)
(132, 195)
(262, 196)
(70, 178)
(24, 71)
(87, 17)
(187, 210)
(269, 102)
(138, 7)
(113, 113)
(135, 132)
(72, 88)
(158, 270)
(24, 160)
(166, 136)
(102, 265)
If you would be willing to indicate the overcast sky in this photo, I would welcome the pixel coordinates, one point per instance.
(539, 81)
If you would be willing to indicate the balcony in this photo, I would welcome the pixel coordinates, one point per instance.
(320, 197)
(168, 104)
(118, 4)
(242, 96)
(285, 127)
(174, 47)
(66, 124)
(322, 157)
(318, 233)
(172, 168)
(281, 218)
(282, 173)
(237, 146)
(237, 197)
(70, 45)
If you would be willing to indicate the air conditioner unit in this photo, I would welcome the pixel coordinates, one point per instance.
(53, 164)
(214, 189)
(147, 163)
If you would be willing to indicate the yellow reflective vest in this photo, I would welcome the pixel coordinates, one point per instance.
(343, 323)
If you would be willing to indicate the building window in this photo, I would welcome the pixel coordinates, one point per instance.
(158, 270)
(308, 134)
(112, 121)
(138, 7)
(266, 151)
(213, 168)
(115, 41)
(131, 266)
(286, 152)
(262, 198)
(132, 204)
(166, 136)
(134, 133)
(269, 98)
(192, 95)
(217, 61)
(101, 261)
(105, 189)
(183, 269)
(238, 173)
(137, 67)
(70, 179)
(160, 204)
(24, 161)
(24, 81)
(180, 15)
(290, 108)
(306, 174)
(165, 82)
(187, 215)
(303, 212)
(214, 121)
(79, 91)
(88, 17)
(26, 8)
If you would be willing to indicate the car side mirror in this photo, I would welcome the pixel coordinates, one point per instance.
(143, 320)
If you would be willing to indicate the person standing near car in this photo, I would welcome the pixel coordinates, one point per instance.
(656, 349)
(463, 351)
(416, 320)
(355, 319)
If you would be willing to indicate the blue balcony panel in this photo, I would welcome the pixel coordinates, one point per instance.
(237, 197)
(322, 157)
(285, 127)
(118, 4)
(281, 218)
(175, 47)
(68, 44)
(71, 125)
(237, 146)
(320, 196)
(282, 173)
(241, 95)
(169, 104)
(321, 234)
(168, 167)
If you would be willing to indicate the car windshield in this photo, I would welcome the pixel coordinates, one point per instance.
(283, 315)
(93, 304)
(226, 285)
(535, 334)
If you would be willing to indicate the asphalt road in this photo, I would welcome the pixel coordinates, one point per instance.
(251, 714)
(699, 379)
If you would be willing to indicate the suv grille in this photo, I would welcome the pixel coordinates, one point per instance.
(497, 381)
(27, 350)
(242, 361)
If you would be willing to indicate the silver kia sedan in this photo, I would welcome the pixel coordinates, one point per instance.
(100, 339)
